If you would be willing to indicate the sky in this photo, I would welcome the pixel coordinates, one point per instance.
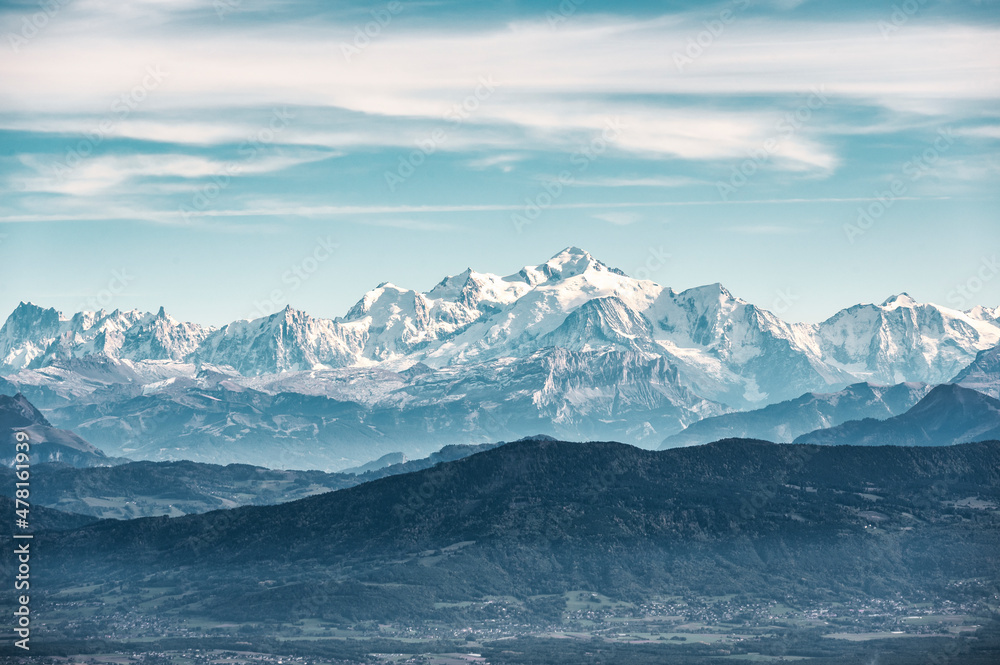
(223, 158)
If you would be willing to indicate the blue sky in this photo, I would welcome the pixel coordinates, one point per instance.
(203, 155)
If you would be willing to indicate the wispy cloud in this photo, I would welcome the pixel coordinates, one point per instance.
(552, 85)
(617, 218)
(101, 173)
(290, 213)
(765, 229)
(656, 182)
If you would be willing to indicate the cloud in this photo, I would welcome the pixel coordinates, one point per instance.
(380, 213)
(617, 218)
(984, 131)
(505, 161)
(100, 173)
(765, 229)
(655, 181)
(553, 88)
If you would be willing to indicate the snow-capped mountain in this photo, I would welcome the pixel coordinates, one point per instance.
(36, 337)
(724, 348)
(570, 347)
(902, 339)
(289, 340)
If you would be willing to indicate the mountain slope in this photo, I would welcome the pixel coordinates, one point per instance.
(150, 489)
(47, 519)
(949, 414)
(785, 421)
(145, 489)
(983, 373)
(47, 443)
(537, 517)
(302, 421)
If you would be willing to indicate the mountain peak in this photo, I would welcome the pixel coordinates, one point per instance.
(571, 262)
(290, 314)
(573, 251)
(17, 411)
(30, 311)
(714, 291)
(29, 319)
(902, 300)
(572, 255)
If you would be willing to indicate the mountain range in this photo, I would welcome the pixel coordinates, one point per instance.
(570, 348)
(947, 415)
(785, 421)
(537, 519)
(148, 489)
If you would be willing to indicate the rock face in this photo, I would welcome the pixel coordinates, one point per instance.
(572, 348)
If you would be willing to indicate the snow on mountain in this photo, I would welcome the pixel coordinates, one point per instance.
(26, 334)
(289, 340)
(493, 317)
(735, 352)
(35, 337)
(903, 340)
(161, 337)
(987, 314)
(309, 420)
(721, 348)
(93, 378)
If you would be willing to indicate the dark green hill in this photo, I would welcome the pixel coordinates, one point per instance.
(532, 518)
